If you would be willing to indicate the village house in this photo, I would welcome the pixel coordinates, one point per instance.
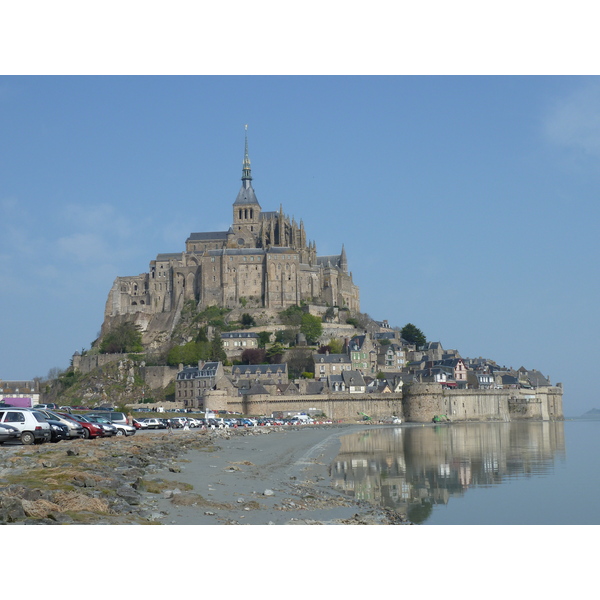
(19, 389)
(330, 364)
(363, 354)
(235, 342)
(192, 383)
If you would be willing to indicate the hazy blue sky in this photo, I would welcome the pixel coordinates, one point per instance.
(468, 205)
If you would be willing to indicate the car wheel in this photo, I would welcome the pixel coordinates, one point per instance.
(120, 432)
(27, 438)
(86, 434)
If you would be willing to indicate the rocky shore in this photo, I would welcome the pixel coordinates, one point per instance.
(260, 476)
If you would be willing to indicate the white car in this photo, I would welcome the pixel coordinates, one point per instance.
(152, 424)
(32, 425)
(124, 429)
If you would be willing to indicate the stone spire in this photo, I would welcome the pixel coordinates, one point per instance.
(246, 194)
(343, 260)
(246, 172)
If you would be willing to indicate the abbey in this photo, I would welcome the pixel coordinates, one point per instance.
(263, 261)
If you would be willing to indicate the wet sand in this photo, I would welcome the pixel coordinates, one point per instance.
(275, 478)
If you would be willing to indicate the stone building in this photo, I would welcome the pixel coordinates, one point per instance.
(264, 260)
(192, 383)
(235, 342)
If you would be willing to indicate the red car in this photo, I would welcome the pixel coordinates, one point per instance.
(90, 430)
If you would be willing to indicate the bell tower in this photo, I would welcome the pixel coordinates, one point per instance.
(246, 209)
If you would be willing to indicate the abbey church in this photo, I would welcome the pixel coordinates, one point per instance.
(263, 261)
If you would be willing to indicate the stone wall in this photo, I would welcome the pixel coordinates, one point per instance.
(158, 377)
(419, 404)
(334, 406)
(422, 401)
(88, 362)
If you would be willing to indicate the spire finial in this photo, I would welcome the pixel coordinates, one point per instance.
(246, 174)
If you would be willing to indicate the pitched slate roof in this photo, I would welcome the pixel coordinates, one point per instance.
(331, 358)
(207, 236)
(258, 369)
(209, 369)
(239, 334)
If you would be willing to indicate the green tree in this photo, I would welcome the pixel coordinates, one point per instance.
(248, 320)
(126, 337)
(275, 354)
(189, 354)
(217, 352)
(413, 335)
(292, 316)
(264, 338)
(311, 327)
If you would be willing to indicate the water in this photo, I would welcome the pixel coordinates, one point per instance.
(523, 473)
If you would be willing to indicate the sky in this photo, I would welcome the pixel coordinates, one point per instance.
(467, 205)
(454, 152)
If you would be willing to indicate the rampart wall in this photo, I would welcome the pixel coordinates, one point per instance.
(419, 403)
(422, 401)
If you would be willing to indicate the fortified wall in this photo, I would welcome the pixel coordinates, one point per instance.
(419, 403)
(335, 406)
(422, 401)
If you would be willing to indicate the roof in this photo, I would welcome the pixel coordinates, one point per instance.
(246, 195)
(331, 358)
(258, 369)
(332, 260)
(169, 256)
(353, 378)
(209, 369)
(207, 236)
(256, 390)
(239, 334)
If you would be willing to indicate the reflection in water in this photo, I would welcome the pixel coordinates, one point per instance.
(411, 468)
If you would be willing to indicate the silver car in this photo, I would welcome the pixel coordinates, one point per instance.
(75, 429)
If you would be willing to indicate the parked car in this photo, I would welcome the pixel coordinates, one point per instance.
(153, 424)
(90, 430)
(8, 433)
(126, 430)
(104, 422)
(58, 431)
(32, 425)
(113, 417)
(75, 429)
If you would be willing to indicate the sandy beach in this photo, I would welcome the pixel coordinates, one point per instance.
(256, 478)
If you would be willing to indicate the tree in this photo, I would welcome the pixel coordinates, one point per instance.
(189, 354)
(254, 356)
(275, 354)
(248, 320)
(413, 335)
(264, 338)
(126, 337)
(292, 316)
(311, 327)
(299, 361)
(217, 352)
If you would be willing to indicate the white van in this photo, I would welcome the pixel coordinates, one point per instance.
(303, 418)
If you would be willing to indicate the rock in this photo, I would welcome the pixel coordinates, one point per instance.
(11, 510)
(268, 493)
(129, 495)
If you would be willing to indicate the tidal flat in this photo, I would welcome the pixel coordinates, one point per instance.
(254, 476)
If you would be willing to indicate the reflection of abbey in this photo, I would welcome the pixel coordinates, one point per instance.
(263, 261)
